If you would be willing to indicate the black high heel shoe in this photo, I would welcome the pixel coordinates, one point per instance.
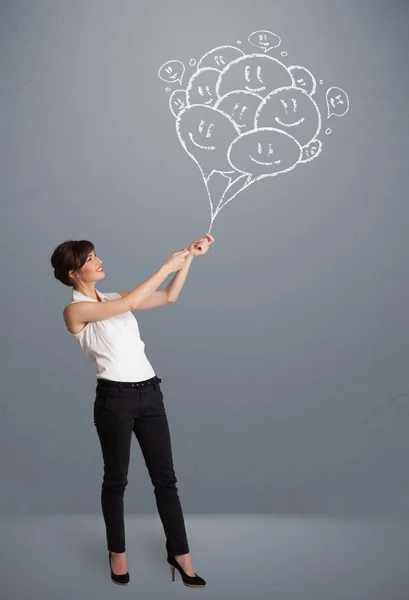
(187, 579)
(119, 579)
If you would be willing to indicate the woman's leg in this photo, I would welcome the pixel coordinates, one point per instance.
(152, 432)
(114, 427)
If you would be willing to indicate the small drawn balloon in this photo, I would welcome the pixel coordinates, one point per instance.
(264, 39)
(304, 79)
(192, 62)
(177, 102)
(264, 152)
(328, 131)
(220, 57)
(337, 102)
(311, 151)
(172, 71)
(284, 53)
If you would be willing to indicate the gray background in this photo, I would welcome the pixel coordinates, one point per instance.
(285, 360)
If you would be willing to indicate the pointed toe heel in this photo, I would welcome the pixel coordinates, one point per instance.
(187, 579)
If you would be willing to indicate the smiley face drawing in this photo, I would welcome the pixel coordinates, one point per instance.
(206, 133)
(304, 79)
(241, 106)
(255, 73)
(172, 71)
(177, 102)
(201, 87)
(264, 152)
(311, 151)
(292, 110)
(264, 39)
(337, 102)
(219, 57)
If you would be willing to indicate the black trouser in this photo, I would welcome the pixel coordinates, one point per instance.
(121, 408)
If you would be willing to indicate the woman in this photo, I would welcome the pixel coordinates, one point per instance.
(128, 395)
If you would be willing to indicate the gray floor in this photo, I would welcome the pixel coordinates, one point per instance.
(280, 558)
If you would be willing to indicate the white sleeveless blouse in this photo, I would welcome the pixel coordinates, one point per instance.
(114, 345)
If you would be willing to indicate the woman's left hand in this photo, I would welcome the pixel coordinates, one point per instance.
(201, 245)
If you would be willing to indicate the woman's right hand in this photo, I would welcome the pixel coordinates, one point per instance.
(177, 260)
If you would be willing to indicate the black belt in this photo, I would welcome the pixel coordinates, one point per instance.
(109, 383)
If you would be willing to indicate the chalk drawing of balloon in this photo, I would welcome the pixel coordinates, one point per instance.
(264, 152)
(292, 110)
(311, 151)
(177, 101)
(337, 102)
(242, 117)
(255, 73)
(201, 88)
(206, 133)
(304, 79)
(264, 39)
(220, 57)
(259, 153)
(172, 71)
(241, 106)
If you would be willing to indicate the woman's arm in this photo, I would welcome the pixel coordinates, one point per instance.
(175, 286)
(157, 298)
(169, 294)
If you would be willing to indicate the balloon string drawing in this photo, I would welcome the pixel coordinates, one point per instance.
(242, 117)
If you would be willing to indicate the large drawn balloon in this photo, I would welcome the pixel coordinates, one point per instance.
(201, 87)
(292, 110)
(241, 106)
(258, 73)
(219, 57)
(206, 133)
(264, 152)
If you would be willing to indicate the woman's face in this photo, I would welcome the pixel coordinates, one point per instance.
(88, 271)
